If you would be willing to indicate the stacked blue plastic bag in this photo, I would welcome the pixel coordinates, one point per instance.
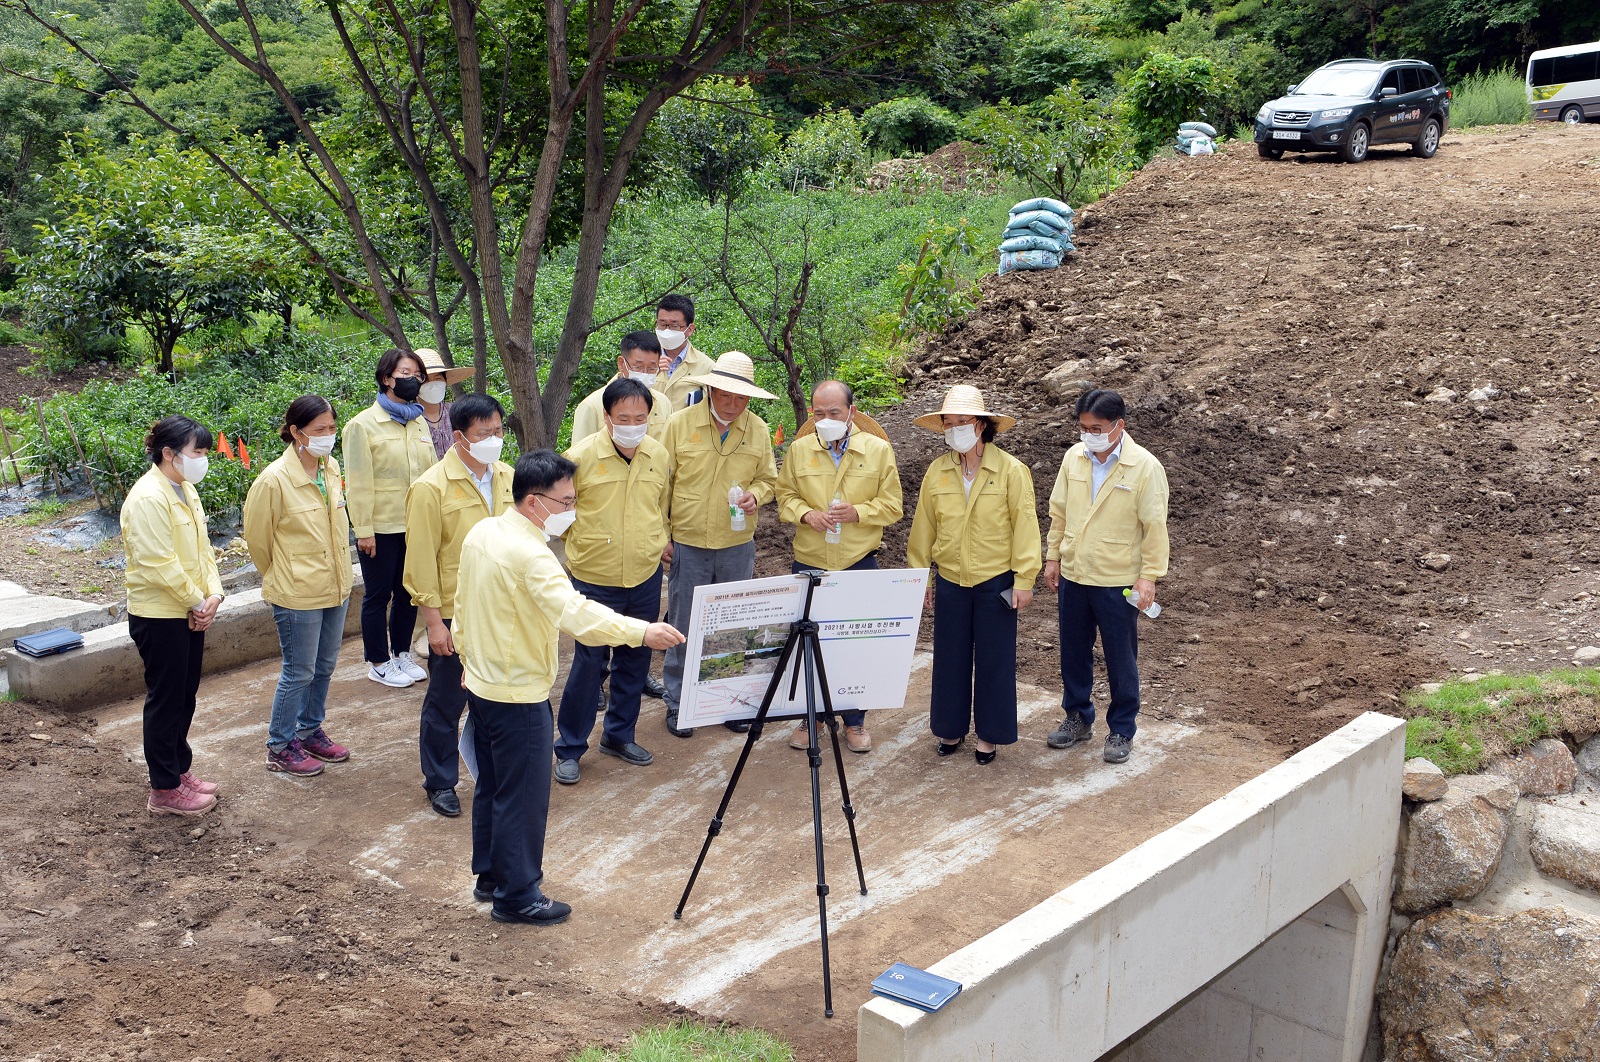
(1037, 235)
(1196, 138)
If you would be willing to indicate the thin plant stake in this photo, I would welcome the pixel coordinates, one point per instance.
(11, 455)
(44, 435)
(88, 473)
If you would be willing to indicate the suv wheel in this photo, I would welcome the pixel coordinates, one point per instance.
(1267, 151)
(1572, 115)
(1428, 143)
(1356, 145)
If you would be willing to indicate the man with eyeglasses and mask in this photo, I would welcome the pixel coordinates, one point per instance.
(615, 551)
(640, 354)
(513, 602)
(840, 488)
(469, 484)
(722, 470)
(1106, 548)
(679, 358)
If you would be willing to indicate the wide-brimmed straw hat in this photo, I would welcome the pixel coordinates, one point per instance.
(963, 400)
(733, 372)
(432, 363)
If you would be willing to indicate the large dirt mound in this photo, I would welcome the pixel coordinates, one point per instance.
(1303, 344)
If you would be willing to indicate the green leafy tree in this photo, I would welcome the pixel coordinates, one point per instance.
(828, 150)
(153, 239)
(907, 124)
(1050, 143)
(716, 137)
(1167, 90)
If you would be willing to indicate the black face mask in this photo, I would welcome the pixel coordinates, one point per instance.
(406, 388)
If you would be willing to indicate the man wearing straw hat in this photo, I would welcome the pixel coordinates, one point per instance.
(840, 488)
(714, 446)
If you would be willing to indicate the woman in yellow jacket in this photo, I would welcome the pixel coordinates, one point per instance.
(976, 523)
(386, 447)
(173, 594)
(296, 526)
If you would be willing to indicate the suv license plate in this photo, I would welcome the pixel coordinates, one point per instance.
(1286, 134)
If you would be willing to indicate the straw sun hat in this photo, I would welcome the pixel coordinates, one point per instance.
(432, 363)
(963, 400)
(733, 372)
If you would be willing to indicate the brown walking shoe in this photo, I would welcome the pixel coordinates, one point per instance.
(857, 739)
(800, 739)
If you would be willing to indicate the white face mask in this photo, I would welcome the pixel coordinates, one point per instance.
(320, 445)
(961, 438)
(486, 451)
(628, 436)
(558, 524)
(1095, 442)
(646, 378)
(671, 338)
(433, 392)
(192, 469)
(831, 431)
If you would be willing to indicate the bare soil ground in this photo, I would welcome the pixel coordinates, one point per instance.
(1277, 328)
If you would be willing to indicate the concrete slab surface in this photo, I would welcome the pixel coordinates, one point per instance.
(952, 850)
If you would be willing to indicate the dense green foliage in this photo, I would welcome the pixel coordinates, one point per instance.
(1498, 97)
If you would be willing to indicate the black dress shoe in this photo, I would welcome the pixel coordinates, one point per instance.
(654, 687)
(738, 726)
(483, 891)
(984, 758)
(541, 912)
(946, 748)
(673, 728)
(637, 755)
(445, 802)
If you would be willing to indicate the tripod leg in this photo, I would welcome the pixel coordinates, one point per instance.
(838, 762)
(738, 769)
(808, 656)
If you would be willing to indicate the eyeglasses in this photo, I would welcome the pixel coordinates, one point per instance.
(496, 433)
(565, 503)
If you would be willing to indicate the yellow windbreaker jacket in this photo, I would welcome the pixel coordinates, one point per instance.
(866, 477)
(299, 540)
(621, 528)
(171, 565)
(977, 537)
(705, 466)
(441, 507)
(382, 457)
(1119, 534)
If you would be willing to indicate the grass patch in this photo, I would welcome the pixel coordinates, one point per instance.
(1497, 97)
(1463, 724)
(43, 510)
(689, 1042)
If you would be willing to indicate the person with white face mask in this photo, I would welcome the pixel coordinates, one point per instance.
(296, 526)
(512, 603)
(840, 487)
(680, 359)
(977, 526)
(715, 446)
(637, 360)
(1106, 548)
(615, 550)
(469, 485)
(174, 591)
(433, 395)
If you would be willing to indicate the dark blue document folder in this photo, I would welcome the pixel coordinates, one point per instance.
(914, 987)
(50, 642)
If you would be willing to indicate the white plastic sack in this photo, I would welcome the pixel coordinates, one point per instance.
(1031, 243)
(1197, 145)
(1046, 217)
(1199, 127)
(1055, 206)
(1017, 260)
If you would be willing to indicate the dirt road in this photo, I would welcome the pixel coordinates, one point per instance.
(1279, 329)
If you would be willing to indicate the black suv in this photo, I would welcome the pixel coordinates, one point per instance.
(1351, 104)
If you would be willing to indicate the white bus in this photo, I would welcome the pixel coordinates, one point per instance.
(1564, 83)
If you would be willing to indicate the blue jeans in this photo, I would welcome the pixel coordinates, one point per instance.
(310, 641)
(1084, 611)
(580, 698)
(869, 563)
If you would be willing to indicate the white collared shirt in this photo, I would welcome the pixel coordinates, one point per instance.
(1099, 470)
(485, 485)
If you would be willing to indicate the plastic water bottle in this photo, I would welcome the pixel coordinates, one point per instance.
(832, 534)
(735, 514)
(1153, 611)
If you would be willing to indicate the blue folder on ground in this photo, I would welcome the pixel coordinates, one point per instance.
(914, 987)
(48, 643)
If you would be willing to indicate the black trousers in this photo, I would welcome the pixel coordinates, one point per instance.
(974, 661)
(869, 563)
(514, 744)
(438, 736)
(385, 631)
(172, 655)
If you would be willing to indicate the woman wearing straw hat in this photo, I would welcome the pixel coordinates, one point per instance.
(435, 410)
(975, 523)
(714, 447)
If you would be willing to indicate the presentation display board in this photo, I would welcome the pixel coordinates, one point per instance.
(868, 624)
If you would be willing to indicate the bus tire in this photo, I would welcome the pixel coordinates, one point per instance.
(1428, 143)
(1572, 115)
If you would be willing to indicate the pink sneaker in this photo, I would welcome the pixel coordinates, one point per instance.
(179, 801)
(198, 785)
(324, 748)
(292, 759)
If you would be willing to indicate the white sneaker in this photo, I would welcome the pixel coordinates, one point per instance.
(409, 667)
(389, 674)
